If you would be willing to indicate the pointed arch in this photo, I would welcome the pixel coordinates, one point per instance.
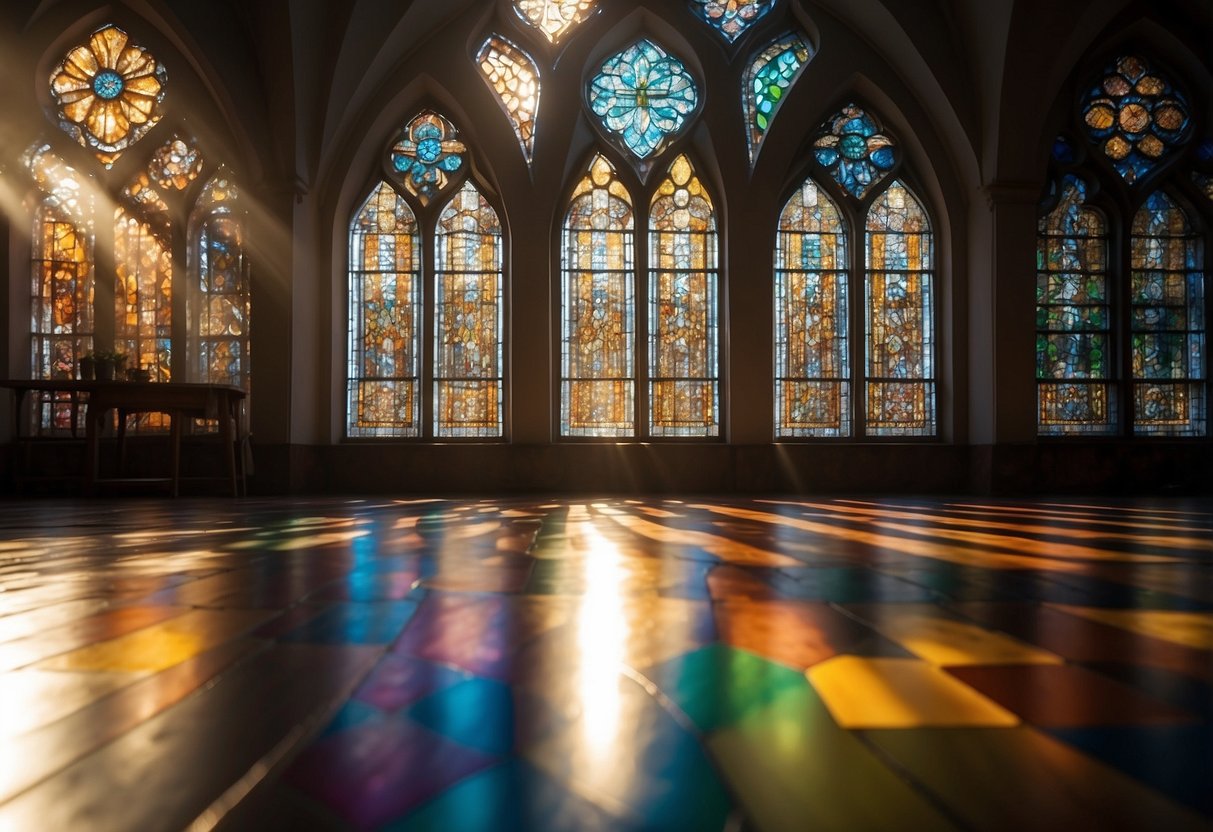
(899, 316)
(144, 274)
(683, 301)
(598, 307)
(812, 353)
(384, 374)
(469, 379)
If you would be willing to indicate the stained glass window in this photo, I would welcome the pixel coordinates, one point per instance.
(555, 18)
(1135, 116)
(219, 304)
(108, 93)
(385, 319)
(61, 301)
(1074, 368)
(812, 361)
(426, 154)
(852, 148)
(1204, 182)
(175, 164)
(732, 17)
(598, 312)
(766, 80)
(683, 382)
(899, 309)
(143, 292)
(514, 78)
(643, 96)
(1167, 299)
(468, 373)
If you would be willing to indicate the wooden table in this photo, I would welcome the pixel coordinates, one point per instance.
(179, 401)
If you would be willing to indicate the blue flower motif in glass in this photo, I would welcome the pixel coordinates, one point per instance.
(851, 146)
(1136, 117)
(1063, 151)
(108, 84)
(427, 151)
(732, 17)
(643, 96)
(766, 80)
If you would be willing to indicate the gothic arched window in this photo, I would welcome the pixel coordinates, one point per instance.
(394, 387)
(1120, 299)
(675, 380)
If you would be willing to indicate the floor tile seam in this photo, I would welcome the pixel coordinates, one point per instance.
(900, 772)
(202, 688)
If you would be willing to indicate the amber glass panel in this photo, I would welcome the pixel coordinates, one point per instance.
(143, 292)
(221, 302)
(1167, 306)
(598, 308)
(385, 316)
(514, 79)
(554, 18)
(812, 362)
(1075, 394)
(683, 381)
(899, 311)
(468, 373)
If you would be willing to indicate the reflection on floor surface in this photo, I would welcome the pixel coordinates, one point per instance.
(619, 664)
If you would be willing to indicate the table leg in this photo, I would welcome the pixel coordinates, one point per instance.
(92, 435)
(228, 440)
(176, 418)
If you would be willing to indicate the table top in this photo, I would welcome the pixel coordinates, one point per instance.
(72, 385)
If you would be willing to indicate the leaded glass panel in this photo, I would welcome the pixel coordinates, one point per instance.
(1135, 116)
(1167, 306)
(899, 311)
(143, 291)
(643, 96)
(598, 314)
(385, 319)
(768, 77)
(683, 380)
(731, 18)
(852, 148)
(468, 373)
(175, 164)
(554, 18)
(812, 361)
(427, 153)
(514, 78)
(108, 93)
(219, 310)
(1075, 394)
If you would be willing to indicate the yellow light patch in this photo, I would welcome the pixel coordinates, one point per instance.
(900, 693)
(1191, 629)
(930, 634)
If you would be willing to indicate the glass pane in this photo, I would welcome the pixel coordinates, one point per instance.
(812, 364)
(767, 79)
(385, 317)
(514, 79)
(598, 308)
(900, 309)
(643, 96)
(731, 18)
(1073, 319)
(682, 307)
(554, 18)
(108, 93)
(468, 379)
(852, 148)
(1167, 304)
(427, 152)
(1135, 116)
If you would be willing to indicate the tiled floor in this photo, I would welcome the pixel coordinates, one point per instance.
(619, 664)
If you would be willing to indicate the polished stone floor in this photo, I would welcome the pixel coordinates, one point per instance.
(614, 664)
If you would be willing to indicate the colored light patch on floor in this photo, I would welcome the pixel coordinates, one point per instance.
(31, 698)
(792, 768)
(900, 693)
(795, 634)
(372, 622)
(1191, 629)
(1014, 779)
(931, 634)
(718, 685)
(161, 645)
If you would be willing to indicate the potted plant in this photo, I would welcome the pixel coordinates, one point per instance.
(108, 363)
(88, 367)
